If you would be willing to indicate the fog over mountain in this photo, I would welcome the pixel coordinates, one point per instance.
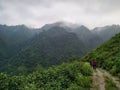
(36, 13)
(106, 32)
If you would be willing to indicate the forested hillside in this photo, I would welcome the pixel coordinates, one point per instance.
(13, 37)
(23, 49)
(15, 34)
(51, 47)
(107, 55)
(2, 49)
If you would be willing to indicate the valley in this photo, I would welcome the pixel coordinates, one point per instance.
(57, 58)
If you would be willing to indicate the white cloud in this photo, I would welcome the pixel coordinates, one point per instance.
(36, 13)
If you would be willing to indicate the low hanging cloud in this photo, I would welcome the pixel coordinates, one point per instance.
(36, 13)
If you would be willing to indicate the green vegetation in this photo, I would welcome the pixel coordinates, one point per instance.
(24, 50)
(46, 49)
(109, 84)
(107, 55)
(37, 54)
(71, 76)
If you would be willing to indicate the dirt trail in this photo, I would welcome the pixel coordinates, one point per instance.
(99, 79)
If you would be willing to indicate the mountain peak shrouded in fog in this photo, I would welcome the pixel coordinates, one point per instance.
(61, 24)
(67, 24)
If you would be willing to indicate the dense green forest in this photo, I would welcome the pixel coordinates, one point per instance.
(107, 55)
(46, 49)
(68, 76)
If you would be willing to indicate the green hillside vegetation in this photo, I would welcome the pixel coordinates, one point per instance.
(47, 49)
(23, 49)
(110, 85)
(2, 47)
(68, 76)
(107, 55)
(2, 51)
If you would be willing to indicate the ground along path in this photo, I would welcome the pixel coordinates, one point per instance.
(99, 80)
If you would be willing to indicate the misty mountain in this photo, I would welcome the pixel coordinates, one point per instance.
(2, 48)
(53, 44)
(3, 53)
(15, 34)
(65, 25)
(50, 47)
(90, 39)
(106, 32)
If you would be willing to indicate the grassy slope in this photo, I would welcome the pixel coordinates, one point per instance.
(107, 55)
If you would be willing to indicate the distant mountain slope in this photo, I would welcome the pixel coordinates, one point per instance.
(3, 53)
(106, 32)
(50, 47)
(91, 40)
(11, 40)
(107, 55)
(15, 34)
(2, 49)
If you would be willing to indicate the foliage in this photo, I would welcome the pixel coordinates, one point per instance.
(64, 77)
(107, 55)
(109, 84)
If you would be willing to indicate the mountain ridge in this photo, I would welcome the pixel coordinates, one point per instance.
(47, 47)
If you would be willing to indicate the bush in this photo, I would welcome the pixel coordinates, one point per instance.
(71, 76)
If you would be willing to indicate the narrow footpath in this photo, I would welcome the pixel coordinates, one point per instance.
(99, 80)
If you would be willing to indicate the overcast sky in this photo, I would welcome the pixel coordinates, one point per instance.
(36, 13)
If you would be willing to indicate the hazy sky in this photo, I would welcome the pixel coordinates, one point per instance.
(36, 13)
